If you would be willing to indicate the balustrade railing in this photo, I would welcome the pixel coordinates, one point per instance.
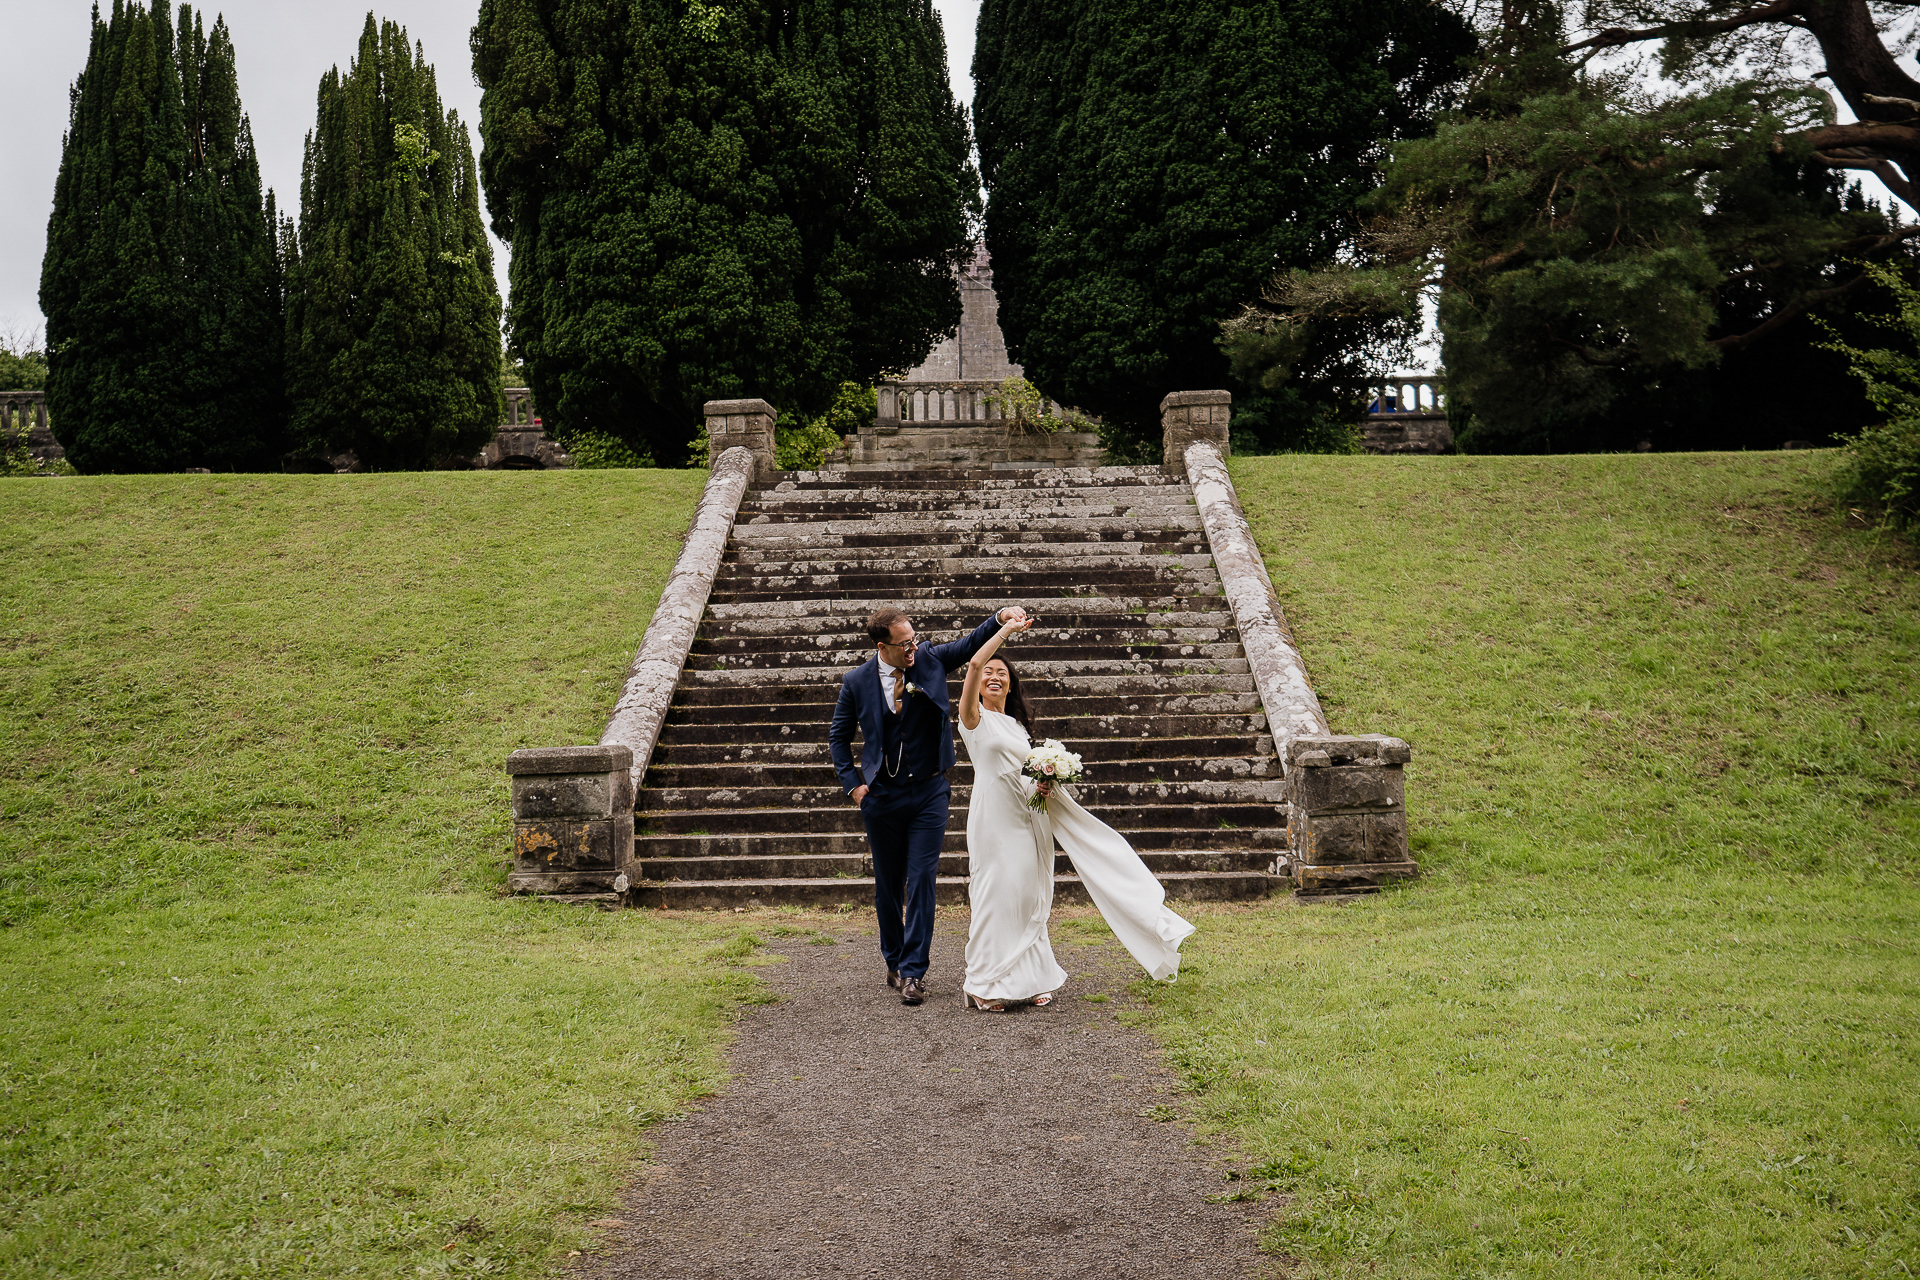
(925, 403)
(519, 409)
(22, 413)
(1407, 393)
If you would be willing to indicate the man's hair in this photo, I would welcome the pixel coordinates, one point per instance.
(880, 625)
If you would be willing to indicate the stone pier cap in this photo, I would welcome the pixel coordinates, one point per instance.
(1321, 751)
(605, 758)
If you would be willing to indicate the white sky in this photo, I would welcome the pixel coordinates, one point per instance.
(283, 48)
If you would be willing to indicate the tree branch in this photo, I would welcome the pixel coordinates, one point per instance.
(1615, 37)
(1881, 168)
(1740, 341)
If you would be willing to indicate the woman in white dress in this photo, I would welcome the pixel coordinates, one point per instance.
(1010, 855)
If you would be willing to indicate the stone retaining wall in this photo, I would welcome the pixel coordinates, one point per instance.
(1336, 843)
(642, 707)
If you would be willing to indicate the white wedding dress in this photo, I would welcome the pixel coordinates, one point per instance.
(1010, 857)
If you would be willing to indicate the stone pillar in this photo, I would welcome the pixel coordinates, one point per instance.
(747, 424)
(1187, 416)
(572, 820)
(1346, 812)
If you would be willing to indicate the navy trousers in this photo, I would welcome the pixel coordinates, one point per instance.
(906, 824)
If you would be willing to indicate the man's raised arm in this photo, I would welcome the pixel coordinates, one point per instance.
(955, 652)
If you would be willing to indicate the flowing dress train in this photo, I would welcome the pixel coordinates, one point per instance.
(1013, 846)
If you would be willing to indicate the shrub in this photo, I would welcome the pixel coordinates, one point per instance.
(597, 451)
(1880, 467)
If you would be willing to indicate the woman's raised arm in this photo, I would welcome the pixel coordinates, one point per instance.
(977, 665)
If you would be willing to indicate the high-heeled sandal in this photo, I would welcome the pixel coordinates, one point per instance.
(990, 1006)
(1042, 1000)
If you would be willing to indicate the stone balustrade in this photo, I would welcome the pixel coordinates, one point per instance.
(23, 417)
(925, 403)
(1407, 413)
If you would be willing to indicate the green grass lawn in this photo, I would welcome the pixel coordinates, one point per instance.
(1654, 1007)
(264, 1010)
(1650, 1011)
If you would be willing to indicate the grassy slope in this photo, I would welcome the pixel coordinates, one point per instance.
(1653, 1008)
(263, 1012)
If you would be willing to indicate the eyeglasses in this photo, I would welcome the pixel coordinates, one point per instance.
(908, 643)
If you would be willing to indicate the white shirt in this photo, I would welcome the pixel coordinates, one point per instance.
(889, 674)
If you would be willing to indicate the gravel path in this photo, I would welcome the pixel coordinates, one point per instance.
(863, 1138)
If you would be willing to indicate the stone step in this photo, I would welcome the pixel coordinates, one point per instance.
(1267, 841)
(909, 529)
(1050, 641)
(1065, 615)
(1166, 792)
(772, 683)
(839, 815)
(797, 516)
(1018, 491)
(715, 895)
(815, 866)
(724, 744)
(1025, 558)
(756, 772)
(1117, 663)
(1060, 537)
(921, 475)
(813, 703)
(696, 728)
(959, 615)
(733, 586)
(954, 552)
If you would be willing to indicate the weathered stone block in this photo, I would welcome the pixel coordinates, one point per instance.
(1346, 815)
(572, 817)
(565, 844)
(1321, 839)
(1347, 749)
(571, 795)
(744, 424)
(1349, 876)
(555, 760)
(1187, 416)
(1336, 788)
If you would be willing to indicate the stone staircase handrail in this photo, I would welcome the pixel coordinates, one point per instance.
(1279, 671)
(655, 670)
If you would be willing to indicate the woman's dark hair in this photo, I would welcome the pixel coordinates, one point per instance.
(1017, 705)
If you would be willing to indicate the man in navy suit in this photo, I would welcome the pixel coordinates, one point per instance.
(898, 701)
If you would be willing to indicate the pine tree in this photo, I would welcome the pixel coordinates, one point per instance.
(393, 320)
(1149, 166)
(162, 282)
(717, 200)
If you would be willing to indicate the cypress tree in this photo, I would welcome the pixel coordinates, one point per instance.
(393, 320)
(710, 201)
(1149, 167)
(162, 282)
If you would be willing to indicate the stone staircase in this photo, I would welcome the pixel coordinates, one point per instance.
(1136, 665)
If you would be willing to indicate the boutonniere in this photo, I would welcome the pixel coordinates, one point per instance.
(912, 689)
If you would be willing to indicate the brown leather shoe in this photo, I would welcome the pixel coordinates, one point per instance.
(913, 991)
(893, 979)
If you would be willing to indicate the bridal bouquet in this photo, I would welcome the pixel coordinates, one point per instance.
(1053, 763)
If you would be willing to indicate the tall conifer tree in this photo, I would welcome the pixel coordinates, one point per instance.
(1149, 166)
(393, 317)
(162, 282)
(716, 200)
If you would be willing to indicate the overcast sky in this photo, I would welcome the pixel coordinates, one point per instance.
(283, 48)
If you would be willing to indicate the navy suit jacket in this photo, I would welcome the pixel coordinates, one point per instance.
(863, 702)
